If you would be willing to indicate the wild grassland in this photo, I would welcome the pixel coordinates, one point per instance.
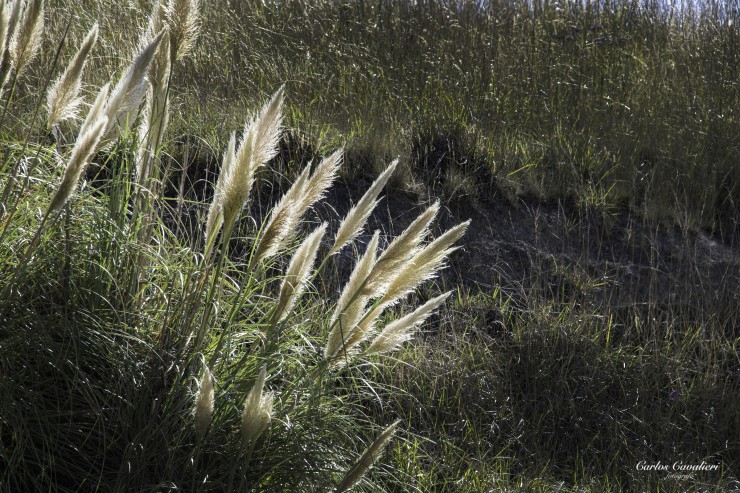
(158, 334)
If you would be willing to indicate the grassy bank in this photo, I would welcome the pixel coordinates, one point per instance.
(200, 308)
(633, 105)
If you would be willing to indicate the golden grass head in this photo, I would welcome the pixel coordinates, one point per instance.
(62, 100)
(257, 413)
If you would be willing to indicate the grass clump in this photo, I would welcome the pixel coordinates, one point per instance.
(140, 359)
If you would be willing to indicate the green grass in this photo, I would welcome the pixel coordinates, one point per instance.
(541, 384)
(629, 107)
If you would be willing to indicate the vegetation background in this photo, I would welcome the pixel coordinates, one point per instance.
(594, 323)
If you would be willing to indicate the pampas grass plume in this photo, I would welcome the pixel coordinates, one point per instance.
(82, 153)
(183, 21)
(96, 109)
(321, 180)
(402, 248)
(258, 145)
(257, 409)
(204, 403)
(14, 14)
(4, 26)
(367, 459)
(126, 96)
(423, 265)
(27, 39)
(285, 216)
(155, 115)
(11, 14)
(356, 217)
(215, 211)
(298, 273)
(399, 331)
(62, 99)
(351, 302)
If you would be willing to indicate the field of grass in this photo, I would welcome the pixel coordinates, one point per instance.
(191, 303)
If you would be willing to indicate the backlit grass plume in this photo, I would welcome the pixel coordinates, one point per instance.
(26, 40)
(423, 265)
(356, 217)
(4, 21)
(183, 18)
(286, 215)
(155, 114)
(82, 153)
(367, 459)
(126, 96)
(10, 16)
(62, 99)
(257, 412)
(402, 248)
(352, 301)
(258, 145)
(298, 273)
(97, 109)
(215, 212)
(400, 331)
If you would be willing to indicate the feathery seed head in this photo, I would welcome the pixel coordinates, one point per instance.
(14, 15)
(96, 109)
(351, 303)
(403, 247)
(204, 403)
(126, 97)
(298, 273)
(275, 236)
(400, 331)
(423, 265)
(155, 24)
(82, 153)
(286, 215)
(257, 412)
(215, 211)
(4, 21)
(259, 145)
(155, 115)
(367, 459)
(183, 17)
(322, 178)
(62, 99)
(356, 217)
(26, 41)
